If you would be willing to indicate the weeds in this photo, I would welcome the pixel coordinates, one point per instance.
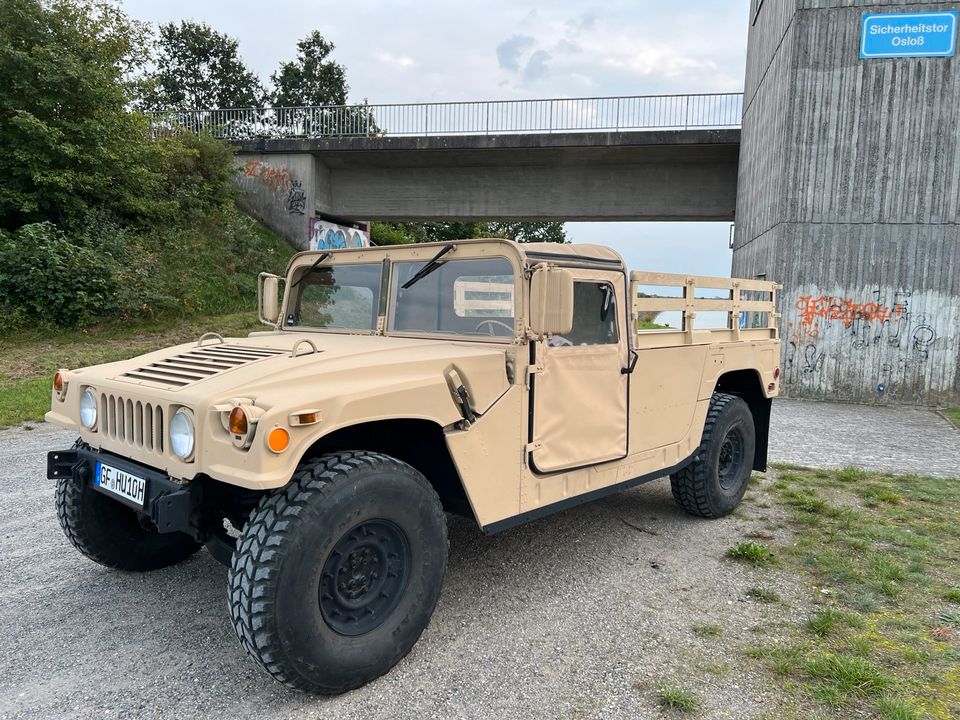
(847, 674)
(752, 553)
(707, 630)
(851, 474)
(825, 621)
(677, 698)
(763, 595)
(889, 709)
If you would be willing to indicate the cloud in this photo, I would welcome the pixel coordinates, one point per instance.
(510, 50)
(401, 61)
(586, 20)
(567, 46)
(536, 66)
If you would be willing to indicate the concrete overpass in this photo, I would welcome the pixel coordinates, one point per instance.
(669, 157)
(654, 175)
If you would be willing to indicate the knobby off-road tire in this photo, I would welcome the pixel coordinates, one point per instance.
(336, 575)
(110, 533)
(714, 483)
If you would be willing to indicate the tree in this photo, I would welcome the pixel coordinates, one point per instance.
(522, 232)
(527, 232)
(198, 68)
(67, 142)
(311, 79)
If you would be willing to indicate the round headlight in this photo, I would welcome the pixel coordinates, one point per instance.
(88, 409)
(181, 434)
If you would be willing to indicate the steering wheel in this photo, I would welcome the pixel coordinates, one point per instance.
(491, 323)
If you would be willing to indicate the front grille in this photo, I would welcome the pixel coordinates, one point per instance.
(132, 422)
(198, 363)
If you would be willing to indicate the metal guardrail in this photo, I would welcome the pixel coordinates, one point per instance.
(496, 117)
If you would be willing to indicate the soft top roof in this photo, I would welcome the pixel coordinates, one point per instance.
(579, 251)
(534, 252)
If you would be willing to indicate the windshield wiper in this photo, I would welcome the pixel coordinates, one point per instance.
(323, 256)
(429, 267)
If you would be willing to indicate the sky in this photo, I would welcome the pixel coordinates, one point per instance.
(429, 50)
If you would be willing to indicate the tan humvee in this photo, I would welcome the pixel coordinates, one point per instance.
(496, 380)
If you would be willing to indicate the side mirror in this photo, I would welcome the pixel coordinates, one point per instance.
(268, 298)
(551, 301)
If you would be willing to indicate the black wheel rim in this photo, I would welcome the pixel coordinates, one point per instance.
(364, 577)
(730, 464)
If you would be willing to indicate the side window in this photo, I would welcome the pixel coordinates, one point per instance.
(595, 318)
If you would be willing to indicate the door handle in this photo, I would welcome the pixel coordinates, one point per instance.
(633, 363)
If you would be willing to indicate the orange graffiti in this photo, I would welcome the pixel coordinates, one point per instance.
(846, 310)
(273, 178)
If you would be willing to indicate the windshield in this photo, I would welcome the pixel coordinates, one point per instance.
(460, 297)
(343, 297)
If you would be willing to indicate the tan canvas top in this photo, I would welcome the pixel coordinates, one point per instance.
(582, 250)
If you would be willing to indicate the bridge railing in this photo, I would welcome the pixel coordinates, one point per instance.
(496, 117)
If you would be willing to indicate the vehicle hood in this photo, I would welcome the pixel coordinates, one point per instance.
(265, 367)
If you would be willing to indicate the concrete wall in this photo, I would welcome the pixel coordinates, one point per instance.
(278, 189)
(849, 195)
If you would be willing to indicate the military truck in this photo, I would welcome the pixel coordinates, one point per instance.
(317, 459)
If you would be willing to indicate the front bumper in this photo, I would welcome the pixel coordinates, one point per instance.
(170, 506)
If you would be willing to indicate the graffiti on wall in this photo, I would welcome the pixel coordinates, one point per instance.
(326, 235)
(274, 178)
(279, 181)
(846, 310)
(296, 198)
(871, 343)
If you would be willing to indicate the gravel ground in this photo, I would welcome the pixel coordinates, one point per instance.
(577, 615)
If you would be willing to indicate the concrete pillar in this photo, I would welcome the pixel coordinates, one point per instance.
(849, 195)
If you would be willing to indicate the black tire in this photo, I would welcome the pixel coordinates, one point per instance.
(714, 483)
(110, 533)
(349, 530)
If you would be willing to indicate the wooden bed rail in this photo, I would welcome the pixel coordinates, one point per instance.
(750, 305)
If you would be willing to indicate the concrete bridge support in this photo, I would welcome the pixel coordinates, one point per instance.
(849, 195)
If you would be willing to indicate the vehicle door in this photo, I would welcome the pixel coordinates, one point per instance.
(579, 387)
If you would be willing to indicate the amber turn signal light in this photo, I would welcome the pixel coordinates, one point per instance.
(58, 383)
(278, 439)
(238, 421)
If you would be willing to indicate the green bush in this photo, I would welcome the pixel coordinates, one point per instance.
(47, 279)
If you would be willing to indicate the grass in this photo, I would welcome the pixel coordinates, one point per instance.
(707, 630)
(896, 710)
(763, 595)
(953, 416)
(752, 553)
(826, 621)
(649, 325)
(851, 474)
(882, 551)
(28, 360)
(677, 698)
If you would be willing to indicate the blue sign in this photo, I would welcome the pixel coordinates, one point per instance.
(926, 34)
